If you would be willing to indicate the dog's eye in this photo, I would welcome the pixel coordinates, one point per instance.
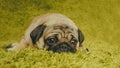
(73, 41)
(52, 40)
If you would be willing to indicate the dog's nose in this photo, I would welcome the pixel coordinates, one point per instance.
(64, 46)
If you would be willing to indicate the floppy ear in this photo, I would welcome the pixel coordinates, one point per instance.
(80, 36)
(81, 39)
(37, 33)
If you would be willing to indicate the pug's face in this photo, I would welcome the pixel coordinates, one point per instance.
(61, 38)
(58, 38)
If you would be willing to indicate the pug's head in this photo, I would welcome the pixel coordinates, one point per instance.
(58, 38)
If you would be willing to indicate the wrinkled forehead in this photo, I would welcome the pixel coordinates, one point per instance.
(62, 30)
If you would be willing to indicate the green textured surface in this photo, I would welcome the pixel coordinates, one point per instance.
(99, 20)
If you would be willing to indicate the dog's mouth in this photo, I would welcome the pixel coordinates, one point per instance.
(64, 47)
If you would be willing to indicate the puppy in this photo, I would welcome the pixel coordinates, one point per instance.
(53, 32)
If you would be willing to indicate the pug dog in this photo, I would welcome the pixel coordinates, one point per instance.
(52, 32)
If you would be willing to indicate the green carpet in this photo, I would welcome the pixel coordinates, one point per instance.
(99, 20)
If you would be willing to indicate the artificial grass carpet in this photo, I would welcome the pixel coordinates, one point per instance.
(99, 20)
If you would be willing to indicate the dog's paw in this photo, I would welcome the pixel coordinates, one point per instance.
(85, 49)
(82, 48)
(9, 46)
(12, 47)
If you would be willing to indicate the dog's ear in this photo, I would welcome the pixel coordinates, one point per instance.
(37, 33)
(80, 36)
(81, 39)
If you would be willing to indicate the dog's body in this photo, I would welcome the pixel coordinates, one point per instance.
(53, 32)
